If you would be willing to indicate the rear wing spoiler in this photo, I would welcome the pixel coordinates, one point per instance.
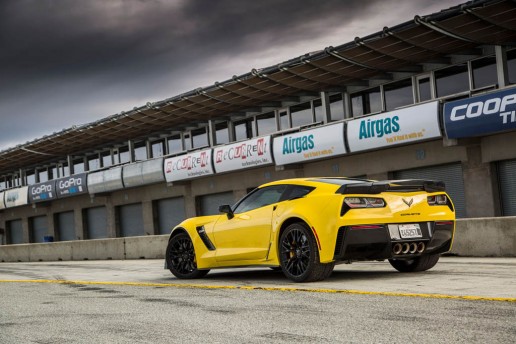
(405, 185)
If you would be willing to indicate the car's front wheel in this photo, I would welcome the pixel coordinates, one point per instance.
(299, 255)
(180, 258)
(421, 263)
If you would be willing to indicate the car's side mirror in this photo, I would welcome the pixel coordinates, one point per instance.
(227, 210)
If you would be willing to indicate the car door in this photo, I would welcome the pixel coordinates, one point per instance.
(246, 236)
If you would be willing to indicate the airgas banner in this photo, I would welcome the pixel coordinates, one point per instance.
(307, 145)
(487, 114)
(16, 197)
(72, 185)
(242, 155)
(188, 166)
(416, 123)
(42, 192)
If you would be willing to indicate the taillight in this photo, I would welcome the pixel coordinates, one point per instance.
(364, 202)
(437, 200)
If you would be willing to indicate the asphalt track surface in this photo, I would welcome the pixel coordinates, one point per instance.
(461, 300)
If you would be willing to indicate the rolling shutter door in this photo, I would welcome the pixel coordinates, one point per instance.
(96, 223)
(171, 211)
(15, 232)
(39, 229)
(507, 182)
(209, 204)
(131, 220)
(66, 226)
(450, 174)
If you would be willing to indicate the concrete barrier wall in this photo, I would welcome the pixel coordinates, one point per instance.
(485, 237)
(482, 237)
(145, 247)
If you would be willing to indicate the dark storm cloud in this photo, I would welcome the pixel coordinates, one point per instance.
(67, 62)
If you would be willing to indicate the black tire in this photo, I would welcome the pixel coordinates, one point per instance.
(180, 258)
(299, 255)
(421, 263)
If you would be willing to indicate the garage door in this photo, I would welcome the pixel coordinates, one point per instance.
(96, 223)
(131, 220)
(171, 211)
(507, 181)
(65, 226)
(15, 232)
(39, 229)
(209, 204)
(450, 174)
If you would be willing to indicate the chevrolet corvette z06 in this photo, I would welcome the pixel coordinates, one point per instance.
(306, 226)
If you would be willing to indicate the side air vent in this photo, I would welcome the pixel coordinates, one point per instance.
(204, 237)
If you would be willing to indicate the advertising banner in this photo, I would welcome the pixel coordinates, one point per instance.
(16, 197)
(144, 172)
(42, 192)
(188, 166)
(323, 142)
(242, 155)
(72, 185)
(416, 123)
(2, 202)
(486, 114)
(105, 181)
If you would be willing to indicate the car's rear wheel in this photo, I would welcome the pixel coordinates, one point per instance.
(180, 258)
(421, 263)
(299, 255)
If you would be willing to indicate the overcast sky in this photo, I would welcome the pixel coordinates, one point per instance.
(66, 62)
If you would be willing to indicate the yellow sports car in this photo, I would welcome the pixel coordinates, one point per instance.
(305, 226)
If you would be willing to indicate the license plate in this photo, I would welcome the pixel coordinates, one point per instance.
(409, 231)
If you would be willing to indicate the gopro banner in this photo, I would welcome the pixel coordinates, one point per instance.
(487, 114)
(416, 123)
(307, 145)
(242, 155)
(72, 185)
(42, 192)
(188, 166)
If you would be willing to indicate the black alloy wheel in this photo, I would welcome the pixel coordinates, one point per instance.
(299, 255)
(180, 258)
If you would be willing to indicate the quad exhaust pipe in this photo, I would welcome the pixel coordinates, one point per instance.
(408, 248)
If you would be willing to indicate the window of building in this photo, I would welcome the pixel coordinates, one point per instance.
(158, 149)
(200, 138)
(140, 151)
(3, 185)
(123, 155)
(451, 80)
(266, 123)
(398, 94)
(106, 159)
(222, 133)
(284, 120)
(78, 165)
(187, 141)
(301, 114)
(54, 172)
(175, 144)
(424, 89)
(366, 102)
(484, 72)
(336, 107)
(93, 163)
(318, 110)
(31, 178)
(511, 66)
(43, 176)
(244, 129)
